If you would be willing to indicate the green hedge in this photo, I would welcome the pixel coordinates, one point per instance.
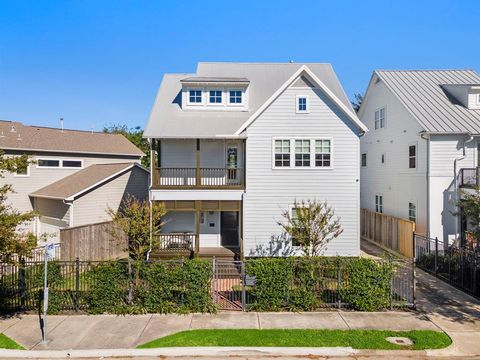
(306, 284)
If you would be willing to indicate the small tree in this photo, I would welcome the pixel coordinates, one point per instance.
(469, 208)
(135, 136)
(312, 225)
(357, 101)
(133, 221)
(13, 239)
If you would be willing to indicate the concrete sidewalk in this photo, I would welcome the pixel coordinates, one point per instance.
(111, 331)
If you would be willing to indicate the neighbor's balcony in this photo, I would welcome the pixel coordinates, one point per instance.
(198, 178)
(469, 177)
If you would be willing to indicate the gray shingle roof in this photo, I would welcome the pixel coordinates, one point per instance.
(82, 180)
(421, 92)
(16, 136)
(168, 120)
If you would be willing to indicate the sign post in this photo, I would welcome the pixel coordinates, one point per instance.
(49, 253)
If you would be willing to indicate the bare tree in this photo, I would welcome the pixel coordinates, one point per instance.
(312, 225)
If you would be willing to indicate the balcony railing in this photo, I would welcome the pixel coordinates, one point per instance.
(469, 177)
(198, 178)
(175, 242)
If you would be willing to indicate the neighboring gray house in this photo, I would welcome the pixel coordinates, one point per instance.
(75, 175)
(235, 144)
(422, 147)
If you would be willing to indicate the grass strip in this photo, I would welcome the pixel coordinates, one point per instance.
(357, 339)
(7, 343)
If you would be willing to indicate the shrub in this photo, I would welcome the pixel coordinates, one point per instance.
(368, 285)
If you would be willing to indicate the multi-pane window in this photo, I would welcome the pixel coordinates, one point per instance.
(412, 212)
(379, 203)
(302, 153)
(364, 159)
(412, 156)
(195, 96)
(322, 153)
(380, 118)
(282, 153)
(302, 104)
(215, 97)
(235, 97)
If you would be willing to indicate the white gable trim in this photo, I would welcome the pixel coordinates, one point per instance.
(320, 84)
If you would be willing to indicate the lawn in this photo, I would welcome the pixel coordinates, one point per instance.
(357, 339)
(7, 343)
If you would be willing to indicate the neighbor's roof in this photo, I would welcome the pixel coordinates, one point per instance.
(421, 92)
(16, 136)
(168, 120)
(83, 180)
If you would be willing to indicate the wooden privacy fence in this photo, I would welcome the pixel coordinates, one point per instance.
(92, 242)
(388, 231)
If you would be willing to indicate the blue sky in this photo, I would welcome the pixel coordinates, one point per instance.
(101, 62)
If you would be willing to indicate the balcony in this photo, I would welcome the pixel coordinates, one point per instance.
(198, 178)
(469, 177)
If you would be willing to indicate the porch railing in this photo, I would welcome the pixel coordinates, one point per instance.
(175, 242)
(167, 178)
(469, 177)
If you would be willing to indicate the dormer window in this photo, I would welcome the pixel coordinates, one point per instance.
(195, 96)
(215, 97)
(302, 104)
(235, 96)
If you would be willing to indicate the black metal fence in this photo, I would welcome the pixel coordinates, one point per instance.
(70, 283)
(459, 267)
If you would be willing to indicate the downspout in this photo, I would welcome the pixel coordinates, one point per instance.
(428, 180)
(455, 184)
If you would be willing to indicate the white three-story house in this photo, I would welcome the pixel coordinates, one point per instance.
(235, 144)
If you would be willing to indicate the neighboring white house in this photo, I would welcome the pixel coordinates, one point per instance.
(235, 144)
(423, 145)
(74, 177)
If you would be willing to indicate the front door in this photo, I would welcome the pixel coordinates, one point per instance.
(229, 228)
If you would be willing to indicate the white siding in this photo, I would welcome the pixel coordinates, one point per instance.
(92, 207)
(269, 191)
(444, 149)
(398, 184)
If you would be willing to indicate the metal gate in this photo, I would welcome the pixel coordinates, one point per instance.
(228, 288)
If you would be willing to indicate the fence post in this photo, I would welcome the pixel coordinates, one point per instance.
(22, 283)
(244, 292)
(77, 283)
(213, 280)
(436, 256)
(339, 281)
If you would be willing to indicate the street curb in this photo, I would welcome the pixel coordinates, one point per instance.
(180, 352)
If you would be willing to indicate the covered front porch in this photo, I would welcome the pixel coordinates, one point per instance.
(200, 228)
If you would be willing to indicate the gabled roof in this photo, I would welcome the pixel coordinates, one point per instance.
(167, 119)
(423, 94)
(16, 136)
(83, 180)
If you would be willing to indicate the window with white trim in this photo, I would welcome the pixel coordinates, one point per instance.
(380, 118)
(412, 212)
(379, 203)
(235, 97)
(23, 170)
(282, 153)
(364, 159)
(215, 96)
(412, 156)
(294, 218)
(322, 153)
(195, 96)
(302, 104)
(48, 163)
(302, 153)
(71, 163)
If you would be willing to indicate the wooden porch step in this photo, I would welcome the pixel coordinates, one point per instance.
(219, 253)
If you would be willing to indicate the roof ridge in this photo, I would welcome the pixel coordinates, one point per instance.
(265, 63)
(421, 70)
